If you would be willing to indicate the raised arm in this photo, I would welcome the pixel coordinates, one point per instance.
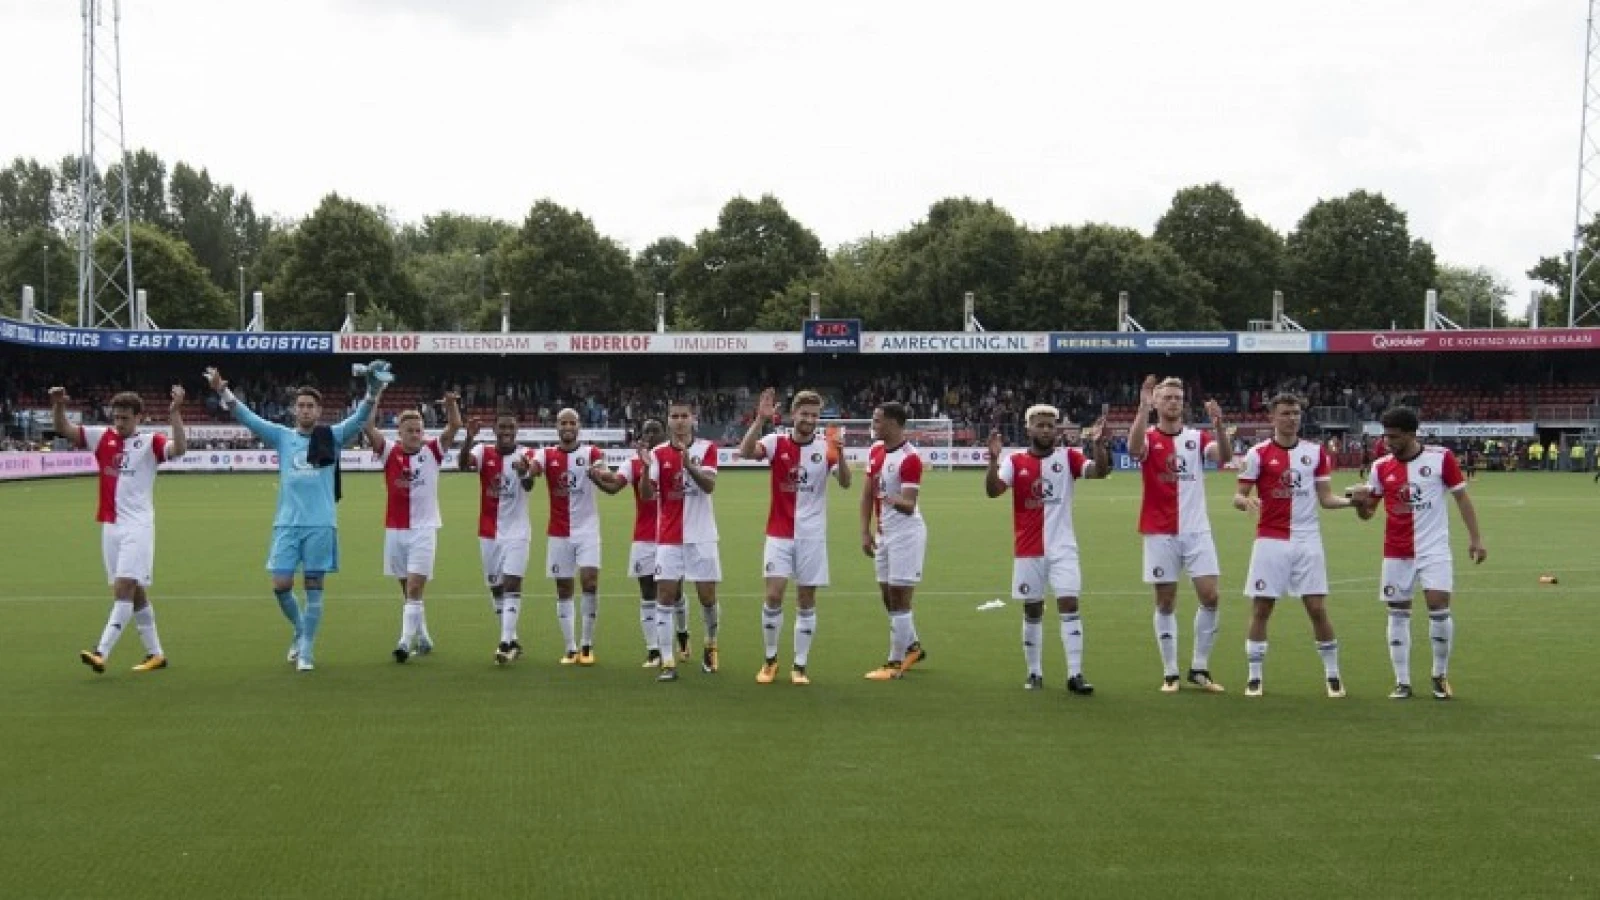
(180, 440)
(357, 423)
(750, 447)
(993, 484)
(58, 415)
(1220, 442)
(1141, 418)
(1100, 450)
(464, 460)
(647, 482)
(842, 472)
(705, 477)
(268, 432)
(369, 427)
(452, 422)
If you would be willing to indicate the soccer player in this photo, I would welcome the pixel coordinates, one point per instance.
(891, 491)
(797, 522)
(1173, 520)
(1042, 481)
(1412, 481)
(572, 548)
(305, 530)
(411, 469)
(682, 473)
(642, 555)
(1290, 477)
(127, 461)
(505, 476)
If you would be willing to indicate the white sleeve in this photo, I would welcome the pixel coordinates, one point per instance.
(1251, 469)
(1008, 469)
(768, 445)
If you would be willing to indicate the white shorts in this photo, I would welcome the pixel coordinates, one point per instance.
(1034, 576)
(1287, 568)
(129, 552)
(805, 561)
(898, 561)
(1401, 577)
(409, 551)
(697, 563)
(642, 559)
(503, 556)
(1166, 555)
(564, 556)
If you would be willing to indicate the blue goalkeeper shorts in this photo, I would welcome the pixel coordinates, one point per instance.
(314, 548)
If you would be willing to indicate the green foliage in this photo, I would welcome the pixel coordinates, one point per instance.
(180, 295)
(27, 196)
(344, 246)
(1075, 274)
(963, 245)
(1472, 297)
(756, 251)
(563, 275)
(1351, 264)
(41, 258)
(1239, 255)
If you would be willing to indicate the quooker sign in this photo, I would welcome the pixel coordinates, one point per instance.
(1464, 341)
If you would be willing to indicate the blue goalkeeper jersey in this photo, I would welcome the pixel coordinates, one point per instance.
(305, 492)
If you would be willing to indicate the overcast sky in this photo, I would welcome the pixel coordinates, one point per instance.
(856, 114)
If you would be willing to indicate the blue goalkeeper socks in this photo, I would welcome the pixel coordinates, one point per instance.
(312, 618)
(291, 609)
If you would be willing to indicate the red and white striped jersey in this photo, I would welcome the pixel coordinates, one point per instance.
(1286, 479)
(686, 515)
(502, 503)
(893, 471)
(799, 487)
(127, 474)
(1413, 492)
(1174, 482)
(1041, 499)
(412, 480)
(573, 510)
(644, 511)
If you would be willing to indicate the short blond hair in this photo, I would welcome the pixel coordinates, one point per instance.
(1171, 381)
(805, 398)
(408, 416)
(1041, 409)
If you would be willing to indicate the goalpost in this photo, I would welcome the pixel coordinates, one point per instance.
(924, 434)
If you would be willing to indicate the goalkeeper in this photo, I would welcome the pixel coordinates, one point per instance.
(305, 533)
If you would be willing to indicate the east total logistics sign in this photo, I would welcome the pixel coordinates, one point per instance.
(1274, 342)
(103, 339)
(954, 342)
(832, 336)
(1464, 341)
(557, 343)
(1140, 342)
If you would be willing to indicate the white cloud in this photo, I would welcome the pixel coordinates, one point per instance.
(648, 116)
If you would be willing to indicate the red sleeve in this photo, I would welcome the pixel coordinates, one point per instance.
(911, 470)
(1206, 439)
(158, 443)
(1324, 465)
(596, 455)
(1076, 461)
(436, 450)
(710, 461)
(1451, 472)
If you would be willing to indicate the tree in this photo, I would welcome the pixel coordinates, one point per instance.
(963, 245)
(755, 251)
(1073, 277)
(1241, 256)
(147, 190)
(180, 295)
(343, 246)
(1556, 273)
(1351, 264)
(27, 195)
(655, 268)
(450, 232)
(43, 259)
(564, 276)
(1472, 297)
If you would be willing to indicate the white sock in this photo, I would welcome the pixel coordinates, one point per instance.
(1329, 651)
(1167, 641)
(1032, 638)
(591, 609)
(145, 619)
(664, 632)
(900, 632)
(564, 613)
(911, 621)
(805, 628)
(121, 612)
(510, 610)
(1072, 640)
(771, 625)
(647, 624)
(1255, 652)
(1442, 634)
(1205, 635)
(713, 616)
(680, 616)
(410, 622)
(1400, 644)
(422, 622)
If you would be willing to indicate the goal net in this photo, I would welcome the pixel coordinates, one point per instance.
(925, 434)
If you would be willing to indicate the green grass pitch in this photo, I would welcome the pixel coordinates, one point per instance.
(229, 775)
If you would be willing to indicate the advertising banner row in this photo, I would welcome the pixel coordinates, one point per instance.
(817, 336)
